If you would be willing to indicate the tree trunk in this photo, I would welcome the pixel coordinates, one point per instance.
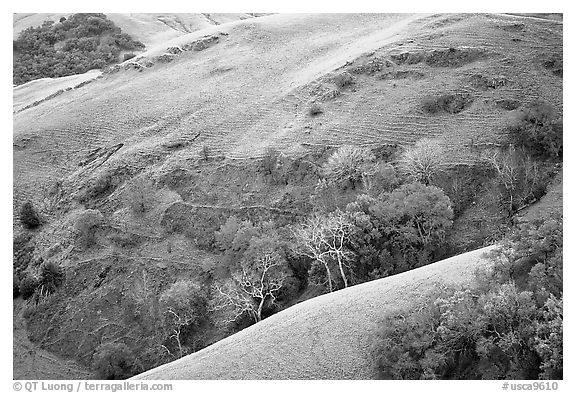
(329, 277)
(259, 311)
(342, 272)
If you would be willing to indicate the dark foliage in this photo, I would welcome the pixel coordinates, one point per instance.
(28, 286)
(22, 249)
(539, 130)
(15, 285)
(518, 180)
(507, 326)
(51, 277)
(398, 231)
(463, 184)
(73, 46)
(315, 109)
(29, 216)
(449, 103)
(128, 56)
(114, 361)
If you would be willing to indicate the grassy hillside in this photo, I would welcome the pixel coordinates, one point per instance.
(150, 29)
(195, 115)
(328, 337)
(241, 96)
(38, 90)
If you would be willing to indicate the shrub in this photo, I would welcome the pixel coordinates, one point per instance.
(449, 103)
(15, 285)
(423, 161)
(28, 286)
(348, 166)
(51, 277)
(29, 217)
(23, 249)
(539, 130)
(381, 178)
(255, 283)
(315, 109)
(113, 361)
(128, 56)
(86, 226)
(397, 231)
(73, 46)
(344, 80)
(269, 161)
(184, 306)
(519, 181)
(494, 329)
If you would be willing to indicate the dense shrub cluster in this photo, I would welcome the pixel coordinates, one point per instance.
(72, 46)
(184, 306)
(539, 129)
(259, 272)
(376, 236)
(348, 166)
(399, 230)
(518, 180)
(114, 361)
(52, 276)
(29, 216)
(449, 103)
(508, 326)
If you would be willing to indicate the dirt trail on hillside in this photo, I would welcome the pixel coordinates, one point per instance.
(328, 337)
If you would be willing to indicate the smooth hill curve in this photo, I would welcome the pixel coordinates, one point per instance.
(327, 337)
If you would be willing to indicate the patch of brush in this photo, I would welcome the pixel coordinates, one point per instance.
(372, 66)
(447, 103)
(450, 57)
(483, 82)
(402, 74)
(508, 104)
(323, 93)
(555, 65)
(343, 80)
(513, 27)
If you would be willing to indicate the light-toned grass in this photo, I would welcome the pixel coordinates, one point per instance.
(38, 89)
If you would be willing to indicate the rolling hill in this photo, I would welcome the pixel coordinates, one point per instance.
(197, 111)
(252, 89)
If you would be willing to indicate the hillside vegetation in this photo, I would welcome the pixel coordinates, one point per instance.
(328, 337)
(72, 46)
(229, 174)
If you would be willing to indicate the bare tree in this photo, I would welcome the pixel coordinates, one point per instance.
(323, 239)
(423, 160)
(348, 165)
(179, 321)
(517, 176)
(184, 307)
(255, 284)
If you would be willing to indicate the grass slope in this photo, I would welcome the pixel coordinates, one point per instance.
(253, 89)
(327, 337)
(39, 89)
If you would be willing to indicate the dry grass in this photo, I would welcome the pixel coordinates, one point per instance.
(249, 92)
